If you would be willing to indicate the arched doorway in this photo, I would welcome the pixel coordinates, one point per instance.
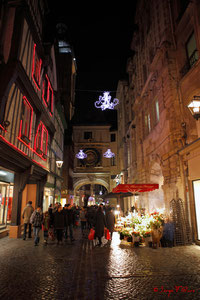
(90, 194)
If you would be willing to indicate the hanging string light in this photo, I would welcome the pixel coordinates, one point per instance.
(109, 154)
(104, 102)
(81, 155)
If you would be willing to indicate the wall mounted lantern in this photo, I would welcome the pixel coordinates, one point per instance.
(59, 163)
(194, 107)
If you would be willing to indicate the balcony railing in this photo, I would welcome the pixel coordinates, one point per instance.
(188, 65)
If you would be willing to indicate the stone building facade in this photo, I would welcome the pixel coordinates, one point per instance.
(157, 125)
(94, 140)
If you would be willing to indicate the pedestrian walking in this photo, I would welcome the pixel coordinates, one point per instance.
(45, 226)
(110, 221)
(76, 211)
(83, 219)
(59, 223)
(36, 220)
(69, 221)
(90, 217)
(27, 212)
(100, 224)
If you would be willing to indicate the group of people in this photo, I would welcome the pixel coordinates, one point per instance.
(57, 220)
(61, 221)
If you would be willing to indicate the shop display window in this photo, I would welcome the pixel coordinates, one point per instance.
(196, 187)
(6, 197)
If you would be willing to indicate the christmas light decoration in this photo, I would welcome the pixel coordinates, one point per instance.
(109, 154)
(81, 155)
(36, 68)
(104, 102)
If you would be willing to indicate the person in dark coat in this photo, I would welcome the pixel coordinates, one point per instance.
(69, 221)
(59, 223)
(100, 224)
(110, 221)
(168, 233)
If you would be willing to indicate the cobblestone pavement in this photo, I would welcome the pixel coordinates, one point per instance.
(82, 271)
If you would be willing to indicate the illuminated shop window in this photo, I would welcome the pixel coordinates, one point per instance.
(157, 111)
(41, 141)
(47, 94)
(149, 122)
(26, 121)
(36, 68)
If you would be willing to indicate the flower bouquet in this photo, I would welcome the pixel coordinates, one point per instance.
(156, 220)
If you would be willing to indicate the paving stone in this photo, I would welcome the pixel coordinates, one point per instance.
(82, 271)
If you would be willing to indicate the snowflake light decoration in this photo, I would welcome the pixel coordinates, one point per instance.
(109, 154)
(81, 155)
(104, 102)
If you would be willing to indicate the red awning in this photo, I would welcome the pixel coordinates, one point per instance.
(135, 188)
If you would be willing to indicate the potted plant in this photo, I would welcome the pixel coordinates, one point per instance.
(136, 236)
(157, 229)
(147, 237)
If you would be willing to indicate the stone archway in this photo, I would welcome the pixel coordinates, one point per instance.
(84, 182)
(156, 197)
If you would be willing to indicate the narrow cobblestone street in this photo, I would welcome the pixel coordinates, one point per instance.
(82, 271)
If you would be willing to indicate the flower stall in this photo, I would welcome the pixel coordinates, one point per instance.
(137, 229)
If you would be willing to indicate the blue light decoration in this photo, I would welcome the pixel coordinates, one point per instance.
(109, 154)
(81, 155)
(104, 102)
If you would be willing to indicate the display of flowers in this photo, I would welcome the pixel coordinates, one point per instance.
(141, 226)
(157, 220)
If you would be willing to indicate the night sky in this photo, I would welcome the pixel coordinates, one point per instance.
(101, 44)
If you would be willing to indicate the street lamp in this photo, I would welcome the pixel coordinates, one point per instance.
(59, 163)
(194, 107)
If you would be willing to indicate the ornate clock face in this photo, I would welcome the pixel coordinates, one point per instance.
(93, 157)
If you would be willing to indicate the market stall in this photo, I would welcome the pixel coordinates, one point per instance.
(141, 229)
